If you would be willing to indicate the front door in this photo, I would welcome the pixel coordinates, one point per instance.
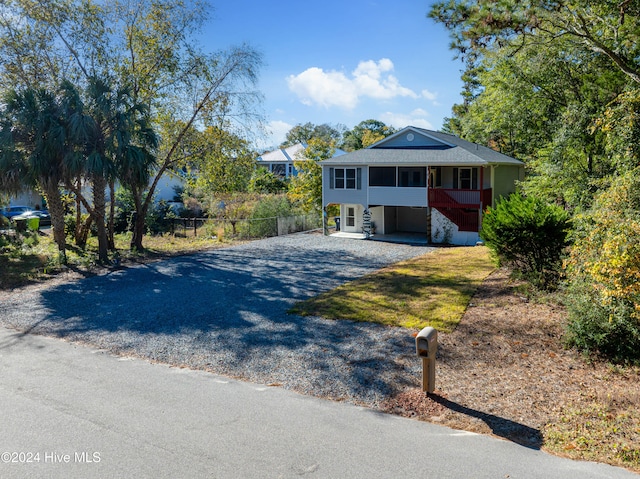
(351, 218)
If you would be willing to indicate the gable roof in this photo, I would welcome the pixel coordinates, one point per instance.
(282, 154)
(413, 146)
(291, 153)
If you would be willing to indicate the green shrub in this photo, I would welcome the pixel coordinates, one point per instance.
(263, 181)
(263, 220)
(607, 328)
(529, 235)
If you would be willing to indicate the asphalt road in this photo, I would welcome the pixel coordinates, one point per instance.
(71, 411)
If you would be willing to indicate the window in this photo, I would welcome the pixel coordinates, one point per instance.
(412, 177)
(382, 176)
(345, 178)
(278, 169)
(465, 178)
(435, 177)
(351, 178)
(339, 178)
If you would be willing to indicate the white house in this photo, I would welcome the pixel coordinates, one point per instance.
(280, 161)
(165, 190)
(418, 181)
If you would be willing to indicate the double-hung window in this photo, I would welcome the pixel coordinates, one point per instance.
(345, 178)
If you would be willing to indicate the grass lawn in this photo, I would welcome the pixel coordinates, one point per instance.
(431, 290)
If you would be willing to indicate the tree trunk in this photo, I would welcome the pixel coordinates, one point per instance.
(99, 185)
(56, 210)
(77, 234)
(83, 232)
(112, 208)
(139, 221)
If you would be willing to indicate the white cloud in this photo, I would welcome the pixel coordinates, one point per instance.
(276, 132)
(370, 79)
(315, 86)
(279, 130)
(415, 118)
(429, 95)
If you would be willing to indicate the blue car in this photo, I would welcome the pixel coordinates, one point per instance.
(12, 211)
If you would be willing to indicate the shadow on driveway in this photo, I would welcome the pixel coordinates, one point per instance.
(225, 311)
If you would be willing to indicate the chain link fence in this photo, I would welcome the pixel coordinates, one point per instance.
(243, 228)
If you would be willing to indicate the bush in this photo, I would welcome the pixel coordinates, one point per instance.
(263, 181)
(263, 221)
(603, 274)
(609, 328)
(529, 235)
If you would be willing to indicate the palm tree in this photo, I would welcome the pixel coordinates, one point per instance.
(33, 146)
(117, 144)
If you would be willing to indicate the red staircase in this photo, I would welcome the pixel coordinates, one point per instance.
(461, 207)
(465, 220)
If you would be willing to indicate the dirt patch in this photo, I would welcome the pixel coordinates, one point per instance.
(505, 371)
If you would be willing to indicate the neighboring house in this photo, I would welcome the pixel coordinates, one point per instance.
(168, 185)
(28, 198)
(418, 181)
(280, 161)
(165, 190)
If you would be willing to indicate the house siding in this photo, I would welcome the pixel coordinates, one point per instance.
(418, 141)
(504, 180)
(343, 196)
(397, 196)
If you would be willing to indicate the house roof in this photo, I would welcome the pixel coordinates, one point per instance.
(413, 146)
(291, 153)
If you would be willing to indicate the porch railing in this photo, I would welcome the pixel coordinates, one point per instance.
(450, 198)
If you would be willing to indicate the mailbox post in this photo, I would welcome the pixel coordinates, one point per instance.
(426, 347)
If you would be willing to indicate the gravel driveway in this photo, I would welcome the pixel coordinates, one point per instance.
(225, 311)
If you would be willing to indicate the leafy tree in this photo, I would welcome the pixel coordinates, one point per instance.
(529, 235)
(303, 133)
(604, 273)
(306, 188)
(147, 46)
(620, 127)
(365, 133)
(540, 105)
(224, 164)
(608, 29)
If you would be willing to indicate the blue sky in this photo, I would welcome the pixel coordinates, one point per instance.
(343, 61)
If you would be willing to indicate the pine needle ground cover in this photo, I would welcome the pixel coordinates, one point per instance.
(431, 290)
